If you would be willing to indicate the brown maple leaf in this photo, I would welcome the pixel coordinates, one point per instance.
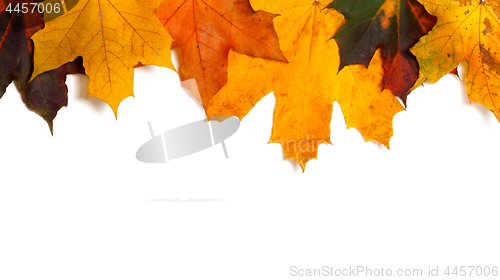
(47, 93)
(466, 31)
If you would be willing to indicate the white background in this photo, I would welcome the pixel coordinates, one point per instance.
(78, 205)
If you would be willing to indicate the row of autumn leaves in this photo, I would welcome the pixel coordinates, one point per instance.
(238, 51)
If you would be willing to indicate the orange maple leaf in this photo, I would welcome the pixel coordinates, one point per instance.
(206, 30)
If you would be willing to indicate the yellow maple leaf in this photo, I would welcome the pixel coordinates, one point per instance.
(56, 8)
(306, 87)
(467, 31)
(112, 36)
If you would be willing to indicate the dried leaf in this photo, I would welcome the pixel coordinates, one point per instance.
(207, 30)
(395, 25)
(112, 37)
(306, 87)
(466, 31)
(47, 93)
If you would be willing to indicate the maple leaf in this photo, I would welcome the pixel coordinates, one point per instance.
(466, 31)
(48, 92)
(306, 87)
(206, 30)
(395, 25)
(112, 37)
